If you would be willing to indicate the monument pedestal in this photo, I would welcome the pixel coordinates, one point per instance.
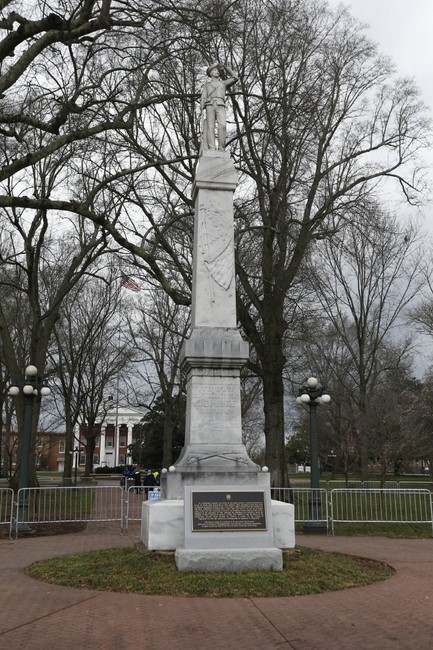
(213, 458)
(229, 559)
(163, 527)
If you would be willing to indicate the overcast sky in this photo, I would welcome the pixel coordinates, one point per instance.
(404, 30)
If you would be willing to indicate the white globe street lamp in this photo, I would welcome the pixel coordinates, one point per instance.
(312, 393)
(31, 387)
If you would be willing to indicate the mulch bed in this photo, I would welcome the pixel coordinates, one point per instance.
(44, 530)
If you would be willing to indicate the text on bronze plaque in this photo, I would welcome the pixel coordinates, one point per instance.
(228, 511)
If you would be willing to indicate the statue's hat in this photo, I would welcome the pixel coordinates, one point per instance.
(212, 67)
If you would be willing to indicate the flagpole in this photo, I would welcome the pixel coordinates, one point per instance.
(116, 425)
(127, 283)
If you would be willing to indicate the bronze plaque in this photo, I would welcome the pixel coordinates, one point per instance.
(228, 511)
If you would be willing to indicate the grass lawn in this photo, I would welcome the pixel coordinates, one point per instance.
(131, 570)
(396, 531)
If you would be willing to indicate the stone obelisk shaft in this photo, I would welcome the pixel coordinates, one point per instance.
(213, 292)
(214, 353)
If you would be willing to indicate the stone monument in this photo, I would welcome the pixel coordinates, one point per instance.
(216, 511)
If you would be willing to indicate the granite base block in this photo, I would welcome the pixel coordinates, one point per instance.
(283, 523)
(229, 560)
(162, 525)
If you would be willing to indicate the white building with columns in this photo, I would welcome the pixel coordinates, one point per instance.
(119, 427)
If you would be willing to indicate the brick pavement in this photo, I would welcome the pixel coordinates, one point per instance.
(397, 613)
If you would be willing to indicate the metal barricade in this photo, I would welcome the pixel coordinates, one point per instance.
(302, 499)
(394, 506)
(374, 484)
(50, 505)
(416, 485)
(69, 504)
(342, 484)
(6, 508)
(135, 496)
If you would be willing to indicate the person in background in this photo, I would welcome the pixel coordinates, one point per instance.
(124, 479)
(137, 479)
(149, 482)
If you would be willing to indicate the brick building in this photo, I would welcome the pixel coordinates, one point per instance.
(116, 430)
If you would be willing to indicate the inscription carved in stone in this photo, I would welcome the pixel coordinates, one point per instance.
(216, 403)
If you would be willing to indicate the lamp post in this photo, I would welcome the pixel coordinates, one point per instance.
(312, 394)
(31, 387)
(76, 452)
(333, 457)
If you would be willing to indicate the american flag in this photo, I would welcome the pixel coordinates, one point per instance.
(129, 283)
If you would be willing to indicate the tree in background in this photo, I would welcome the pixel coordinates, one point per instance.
(318, 122)
(150, 447)
(418, 421)
(38, 268)
(90, 351)
(365, 278)
(252, 416)
(421, 315)
(158, 328)
(313, 107)
(392, 444)
(298, 446)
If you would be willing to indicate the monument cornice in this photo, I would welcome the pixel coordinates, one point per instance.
(215, 171)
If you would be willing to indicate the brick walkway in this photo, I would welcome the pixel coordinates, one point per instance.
(396, 614)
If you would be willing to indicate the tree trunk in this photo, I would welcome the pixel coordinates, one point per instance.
(90, 450)
(90, 434)
(30, 462)
(273, 397)
(167, 448)
(363, 436)
(69, 447)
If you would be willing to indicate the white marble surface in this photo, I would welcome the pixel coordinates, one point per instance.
(162, 526)
(213, 465)
(283, 521)
(215, 170)
(229, 560)
(213, 287)
(214, 410)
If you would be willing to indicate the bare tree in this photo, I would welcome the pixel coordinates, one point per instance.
(37, 270)
(318, 123)
(252, 416)
(418, 420)
(314, 108)
(74, 70)
(88, 354)
(158, 328)
(365, 278)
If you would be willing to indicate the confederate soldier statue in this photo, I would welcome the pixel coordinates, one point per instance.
(213, 103)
